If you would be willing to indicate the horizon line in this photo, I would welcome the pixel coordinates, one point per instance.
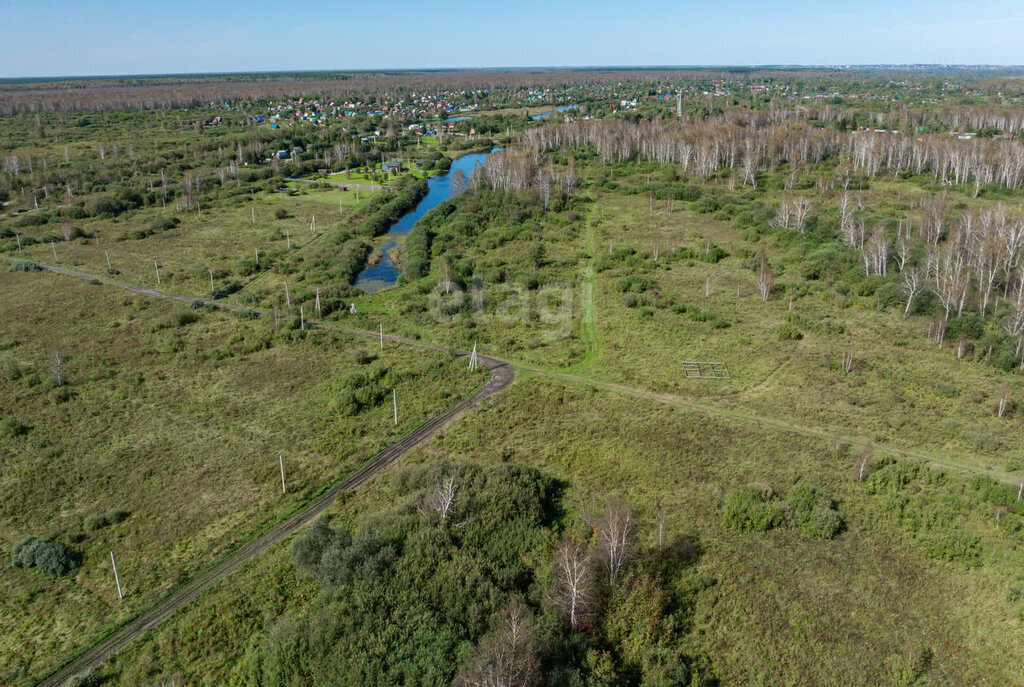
(879, 66)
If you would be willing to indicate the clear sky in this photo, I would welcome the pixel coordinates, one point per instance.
(91, 37)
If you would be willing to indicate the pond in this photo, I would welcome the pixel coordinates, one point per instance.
(385, 272)
(538, 117)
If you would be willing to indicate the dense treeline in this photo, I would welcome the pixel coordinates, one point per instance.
(383, 211)
(751, 142)
(462, 578)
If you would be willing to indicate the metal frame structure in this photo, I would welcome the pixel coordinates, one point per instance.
(705, 370)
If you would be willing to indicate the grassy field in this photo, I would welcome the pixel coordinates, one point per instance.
(223, 238)
(901, 386)
(177, 417)
(764, 608)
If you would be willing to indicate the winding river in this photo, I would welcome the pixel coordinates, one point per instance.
(385, 272)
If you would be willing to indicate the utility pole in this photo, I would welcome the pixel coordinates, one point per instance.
(257, 256)
(302, 316)
(281, 459)
(473, 362)
(288, 236)
(157, 267)
(109, 267)
(382, 336)
(54, 247)
(287, 296)
(253, 208)
(117, 579)
(318, 299)
(394, 401)
(212, 289)
(18, 236)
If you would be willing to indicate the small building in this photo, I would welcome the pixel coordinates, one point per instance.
(392, 167)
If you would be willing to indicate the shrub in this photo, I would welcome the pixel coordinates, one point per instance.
(185, 318)
(747, 509)
(11, 428)
(813, 513)
(24, 266)
(971, 326)
(50, 557)
(86, 678)
(164, 224)
(788, 332)
(111, 517)
(364, 358)
(635, 283)
(247, 314)
(280, 213)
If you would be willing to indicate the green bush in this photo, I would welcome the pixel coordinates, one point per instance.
(11, 428)
(813, 513)
(24, 266)
(86, 678)
(635, 284)
(746, 509)
(185, 318)
(50, 557)
(788, 332)
(971, 326)
(164, 224)
(247, 314)
(111, 517)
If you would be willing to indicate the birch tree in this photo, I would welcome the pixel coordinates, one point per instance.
(615, 537)
(506, 656)
(573, 580)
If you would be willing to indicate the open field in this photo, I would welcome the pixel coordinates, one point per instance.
(765, 592)
(176, 417)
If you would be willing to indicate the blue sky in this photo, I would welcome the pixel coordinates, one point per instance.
(61, 37)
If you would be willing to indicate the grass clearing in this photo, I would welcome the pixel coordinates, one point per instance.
(177, 417)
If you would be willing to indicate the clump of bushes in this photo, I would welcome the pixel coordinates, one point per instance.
(635, 284)
(86, 678)
(11, 428)
(160, 224)
(788, 332)
(360, 390)
(753, 508)
(24, 266)
(706, 315)
(364, 357)
(48, 556)
(111, 517)
(247, 314)
(813, 513)
(164, 224)
(933, 509)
